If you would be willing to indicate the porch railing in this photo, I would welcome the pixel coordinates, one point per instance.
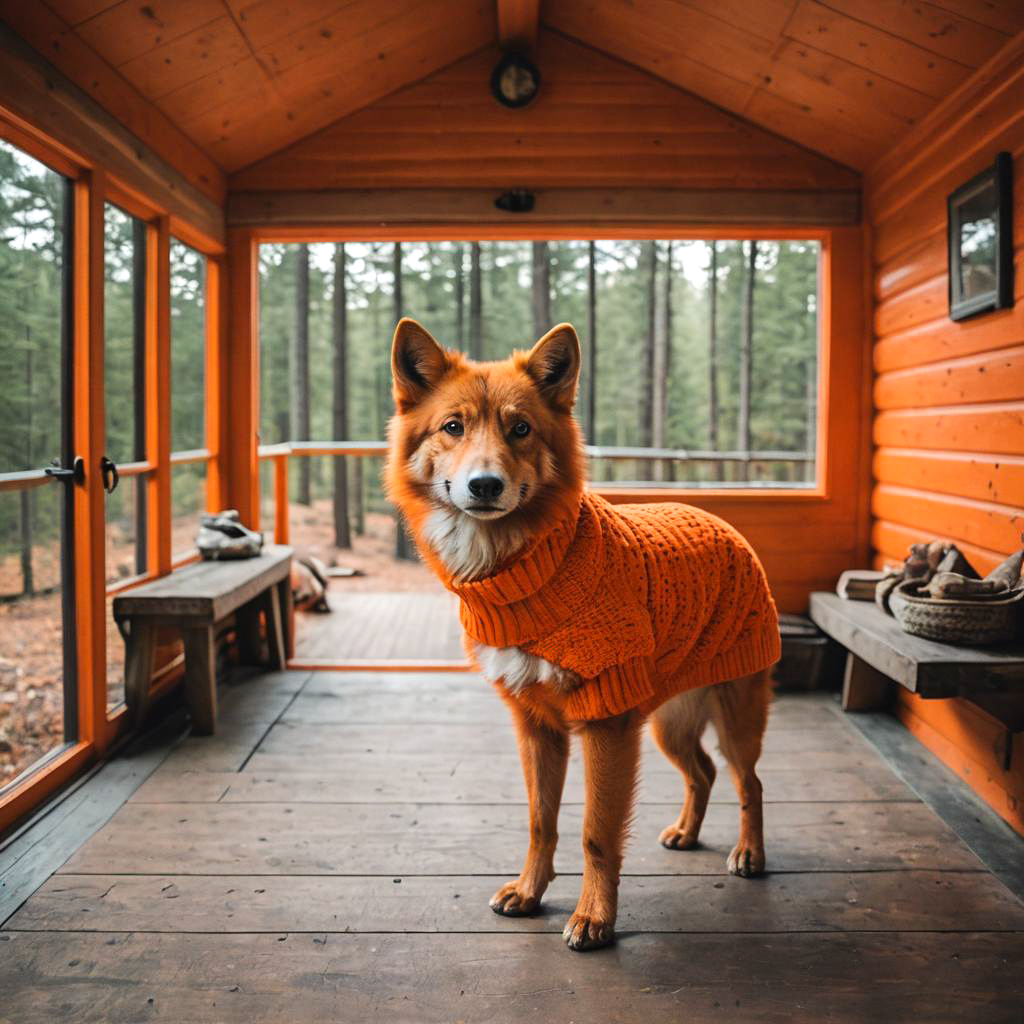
(279, 454)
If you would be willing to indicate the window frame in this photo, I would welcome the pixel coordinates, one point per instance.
(90, 189)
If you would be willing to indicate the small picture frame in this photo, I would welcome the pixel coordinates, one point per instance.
(980, 241)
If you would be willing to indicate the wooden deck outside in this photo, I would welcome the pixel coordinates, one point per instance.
(381, 626)
(329, 856)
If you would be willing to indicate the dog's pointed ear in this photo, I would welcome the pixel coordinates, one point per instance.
(554, 365)
(417, 363)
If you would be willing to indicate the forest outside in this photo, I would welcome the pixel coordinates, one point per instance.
(703, 346)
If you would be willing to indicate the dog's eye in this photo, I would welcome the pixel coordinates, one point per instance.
(520, 429)
(454, 427)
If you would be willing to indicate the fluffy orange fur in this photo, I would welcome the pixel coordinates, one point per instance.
(512, 422)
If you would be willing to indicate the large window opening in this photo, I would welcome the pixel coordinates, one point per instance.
(700, 370)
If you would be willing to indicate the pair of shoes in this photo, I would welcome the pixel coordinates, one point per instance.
(223, 536)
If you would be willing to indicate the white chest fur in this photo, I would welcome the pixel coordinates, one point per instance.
(518, 669)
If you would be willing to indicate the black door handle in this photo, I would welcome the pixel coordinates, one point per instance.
(75, 474)
(111, 477)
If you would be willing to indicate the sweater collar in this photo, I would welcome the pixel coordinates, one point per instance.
(528, 572)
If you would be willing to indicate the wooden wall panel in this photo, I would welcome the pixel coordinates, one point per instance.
(52, 38)
(949, 425)
(596, 122)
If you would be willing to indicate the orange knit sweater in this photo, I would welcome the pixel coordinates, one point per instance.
(641, 601)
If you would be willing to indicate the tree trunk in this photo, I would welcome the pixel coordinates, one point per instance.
(811, 429)
(300, 369)
(713, 359)
(541, 278)
(476, 324)
(590, 408)
(746, 361)
(359, 495)
(458, 264)
(662, 363)
(342, 533)
(28, 585)
(403, 547)
(650, 262)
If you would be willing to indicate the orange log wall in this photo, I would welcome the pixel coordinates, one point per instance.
(949, 397)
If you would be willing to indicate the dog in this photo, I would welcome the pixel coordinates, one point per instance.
(587, 617)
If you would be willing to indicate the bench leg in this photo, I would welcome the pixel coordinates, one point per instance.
(138, 669)
(284, 590)
(201, 678)
(864, 687)
(250, 647)
(276, 649)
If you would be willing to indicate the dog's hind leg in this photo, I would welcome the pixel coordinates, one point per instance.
(739, 710)
(677, 727)
(544, 752)
(611, 757)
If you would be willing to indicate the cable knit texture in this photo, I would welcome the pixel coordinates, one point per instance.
(641, 601)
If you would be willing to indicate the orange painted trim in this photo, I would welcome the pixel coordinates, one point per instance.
(243, 400)
(502, 231)
(158, 394)
(19, 133)
(281, 518)
(43, 782)
(372, 665)
(88, 427)
(1002, 791)
(217, 435)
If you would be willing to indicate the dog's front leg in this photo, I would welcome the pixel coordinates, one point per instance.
(611, 755)
(544, 751)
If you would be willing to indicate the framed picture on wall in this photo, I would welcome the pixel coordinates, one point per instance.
(981, 242)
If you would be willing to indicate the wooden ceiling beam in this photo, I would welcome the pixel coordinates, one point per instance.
(517, 24)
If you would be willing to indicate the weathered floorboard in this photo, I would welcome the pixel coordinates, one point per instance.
(823, 902)
(121, 978)
(450, 778)
(356, 839)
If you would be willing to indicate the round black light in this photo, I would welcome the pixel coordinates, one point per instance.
(515, 80)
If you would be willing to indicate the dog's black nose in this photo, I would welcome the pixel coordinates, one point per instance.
(485, 487)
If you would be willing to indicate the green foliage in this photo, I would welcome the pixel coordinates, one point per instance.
(784, 342)
(32, 205)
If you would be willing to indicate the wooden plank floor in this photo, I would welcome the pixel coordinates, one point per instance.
(329, 856)
(381, 627)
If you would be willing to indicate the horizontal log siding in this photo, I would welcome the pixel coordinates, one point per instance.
(949, 397)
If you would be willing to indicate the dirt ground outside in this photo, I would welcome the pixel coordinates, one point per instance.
(32, 635)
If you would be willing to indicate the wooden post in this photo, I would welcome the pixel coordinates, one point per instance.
(864, 687)
(216, 377)
(713, 359)
(158, 393)
(88, 435)
(281, 527)
(243, 376)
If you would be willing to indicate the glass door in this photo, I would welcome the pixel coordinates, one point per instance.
(38, 704)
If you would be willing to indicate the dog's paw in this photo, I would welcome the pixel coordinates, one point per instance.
(582, 933)
(745, 861)
(674, 838)
(510, 901)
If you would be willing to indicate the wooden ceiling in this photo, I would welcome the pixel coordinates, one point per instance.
(597, 122)
(246, 78)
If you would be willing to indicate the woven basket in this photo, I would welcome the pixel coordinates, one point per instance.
(967, 623)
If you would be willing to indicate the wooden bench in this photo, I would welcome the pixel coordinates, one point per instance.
(879, 651)
(196, 599)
